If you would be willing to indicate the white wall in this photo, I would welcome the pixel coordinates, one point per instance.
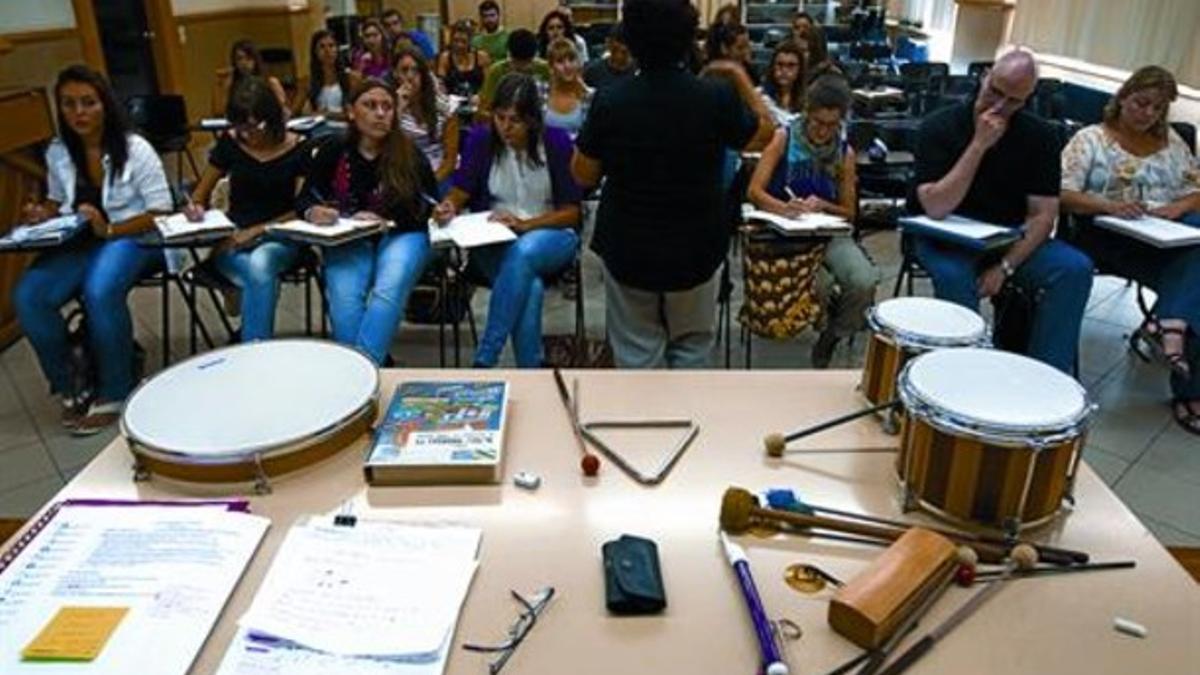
(185, 7)
(19, 16)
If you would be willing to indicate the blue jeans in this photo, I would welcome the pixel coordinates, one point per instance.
(256, 271)
(515, 308)
(1058, 270)
(368, 282)
(102, 273)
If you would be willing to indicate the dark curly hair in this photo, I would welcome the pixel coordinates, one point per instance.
(660, 33)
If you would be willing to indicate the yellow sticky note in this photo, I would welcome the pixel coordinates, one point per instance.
(74, 634)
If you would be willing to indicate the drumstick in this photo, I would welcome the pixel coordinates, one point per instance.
(776, 444)
(988, 577)
(787, 500)
(590, 464)
(1024, 557)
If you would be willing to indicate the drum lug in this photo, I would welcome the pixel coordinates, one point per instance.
(141, 473)
(891, 422)
(262, 482)
(1012, 529)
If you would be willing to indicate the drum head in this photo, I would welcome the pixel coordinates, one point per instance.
(995, 390)
(929, 322)
(249, 398)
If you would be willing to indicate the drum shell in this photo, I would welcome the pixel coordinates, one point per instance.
(881, 368)
(973, 480)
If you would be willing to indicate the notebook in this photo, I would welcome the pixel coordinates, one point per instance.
(806, 225)
(344, 230)
(1158, 232)
(168, 568)
(470, 230)
(176, 227)
(972, 234)
(46, 234)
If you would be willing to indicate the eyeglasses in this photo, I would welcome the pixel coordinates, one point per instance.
(532, 608)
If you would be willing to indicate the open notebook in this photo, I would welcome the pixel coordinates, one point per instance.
(1157, 232)
(470, 230)
(45, 234)
(806, 225)
(972, 234)
(344, 230)
(177, 227)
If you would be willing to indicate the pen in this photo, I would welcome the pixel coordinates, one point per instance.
(788, 190)
(428, 199)
(771, 660)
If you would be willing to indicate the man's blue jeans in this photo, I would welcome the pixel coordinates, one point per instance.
(256, 271)
(515, 308)
(368, 282)
(1058, 270)
(101, 273)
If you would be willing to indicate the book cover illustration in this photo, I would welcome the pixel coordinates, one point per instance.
(442, 423)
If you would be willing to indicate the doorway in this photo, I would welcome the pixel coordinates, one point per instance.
(126, 39)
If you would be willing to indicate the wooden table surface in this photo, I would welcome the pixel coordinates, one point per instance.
(1060, 624)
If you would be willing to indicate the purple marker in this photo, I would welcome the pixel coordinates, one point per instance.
(772, 662)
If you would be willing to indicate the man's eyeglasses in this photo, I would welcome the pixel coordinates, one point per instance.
(531, 609)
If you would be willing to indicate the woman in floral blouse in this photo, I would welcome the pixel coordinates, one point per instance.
(1134, 164)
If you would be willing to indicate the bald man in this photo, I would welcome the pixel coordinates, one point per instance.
(993, 161)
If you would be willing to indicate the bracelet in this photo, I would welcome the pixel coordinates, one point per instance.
(1007, 267)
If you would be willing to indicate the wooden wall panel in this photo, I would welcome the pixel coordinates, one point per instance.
(36, 63)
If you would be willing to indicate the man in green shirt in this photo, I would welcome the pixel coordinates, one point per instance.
(492, 38)
(522, 58)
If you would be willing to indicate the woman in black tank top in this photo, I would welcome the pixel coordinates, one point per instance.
(460, 67)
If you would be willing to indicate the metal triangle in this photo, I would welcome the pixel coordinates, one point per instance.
(692, 429)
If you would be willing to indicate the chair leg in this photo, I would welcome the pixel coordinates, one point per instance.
(900, 279)
(166, 319)
(308, 310)
(443, 314)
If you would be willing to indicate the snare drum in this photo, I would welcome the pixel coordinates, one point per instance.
(251, 411)
(990, 438)
(904, 327)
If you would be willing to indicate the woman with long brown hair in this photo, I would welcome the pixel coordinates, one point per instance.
(1133, 163)
(424, 114)
(373, 172)
(785, 82)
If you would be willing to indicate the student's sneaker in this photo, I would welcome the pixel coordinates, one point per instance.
(72, 411)
(99, 417)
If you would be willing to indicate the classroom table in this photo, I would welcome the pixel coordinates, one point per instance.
(552, 536)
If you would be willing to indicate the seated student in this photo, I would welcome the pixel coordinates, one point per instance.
(809, 168)
(424, 113)
(568, 100)
(557, 25)
(373, 172)
(460, 66)
(371, 58)
(1132, 163)
(100, 169)
(659, 141)
(802, 22)
(522, 58)
(785, 82)
(328, 78)
(615, 65)
(726, 14)
(244, 61)
(518, 168)
(992, 161)
(492, 37)
(393, 23)
(817, 61)
(731, 41)
(264, 163)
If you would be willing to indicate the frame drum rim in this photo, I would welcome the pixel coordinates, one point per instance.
(261, 453)
(915, 342)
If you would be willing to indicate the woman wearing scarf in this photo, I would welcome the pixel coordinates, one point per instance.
(809, 168)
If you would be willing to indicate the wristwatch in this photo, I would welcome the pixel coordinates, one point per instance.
(1007, 267)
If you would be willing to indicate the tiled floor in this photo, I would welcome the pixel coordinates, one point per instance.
(1152, 464)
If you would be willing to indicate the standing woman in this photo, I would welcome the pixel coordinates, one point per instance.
(244, 61)
(569, 97)
(373, 172)
(424, 113)
(371, 57)
(328, 77)
(264, 163)
(98, 169)
(460, 66)
(785, 82)
(520, 170)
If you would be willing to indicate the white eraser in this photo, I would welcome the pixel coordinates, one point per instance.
(1129, 627)
(529, 481)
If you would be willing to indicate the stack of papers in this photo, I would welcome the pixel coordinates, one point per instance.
(344, 230)
(305, 124)
(177, 227)
(962, 231)
(470, 230)
(1157, 232)
(49, 233)
(807, 225)
(374, 597)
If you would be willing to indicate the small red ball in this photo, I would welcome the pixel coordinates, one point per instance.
(590, 465)
(965, 575)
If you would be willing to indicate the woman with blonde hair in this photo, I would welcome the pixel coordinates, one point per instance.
(1133, 164)
(568, 99)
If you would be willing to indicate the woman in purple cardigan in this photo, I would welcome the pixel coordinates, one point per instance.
(518, 169)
